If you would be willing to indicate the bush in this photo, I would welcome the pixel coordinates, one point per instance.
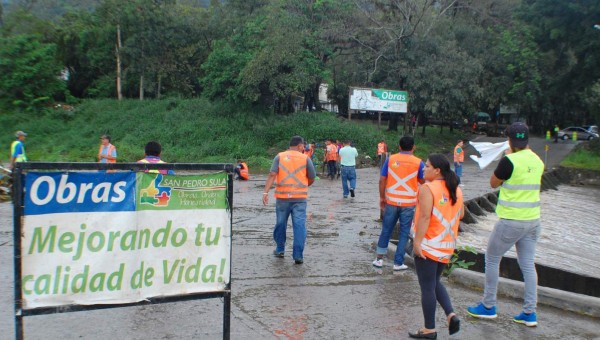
(193, 131)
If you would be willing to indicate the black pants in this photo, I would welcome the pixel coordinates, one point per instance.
(432, 289)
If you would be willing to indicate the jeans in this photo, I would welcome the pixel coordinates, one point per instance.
(458, 170)
(432, 289)
(391, 215)
(331, 169)
(348, 175)
(524, 235)
(283, 209)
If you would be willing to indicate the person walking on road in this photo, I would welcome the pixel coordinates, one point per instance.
(438, 214)
(519, 176)
(398, 184)
(292, 172)
(381, 152)
(107, 153)
(17, 149)
(459, 159)
(347, 160)
(330, 158)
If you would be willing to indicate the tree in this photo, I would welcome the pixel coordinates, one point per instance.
(29, 72)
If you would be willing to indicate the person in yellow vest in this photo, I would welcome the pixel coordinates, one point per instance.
(107, 153)
(153, 150)
(381, 152)
(439, 210)
(292, 172)
(459, 158)
(241, 170)
(519, 176)
(398, 184)
(556, 129)
(17, 149)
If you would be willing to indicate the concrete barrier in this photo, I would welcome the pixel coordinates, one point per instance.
(573, 302)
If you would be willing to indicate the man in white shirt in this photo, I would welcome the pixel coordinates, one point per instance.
(347, 159)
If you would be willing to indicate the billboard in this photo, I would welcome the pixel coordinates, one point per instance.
(365, 99)
(110, 238)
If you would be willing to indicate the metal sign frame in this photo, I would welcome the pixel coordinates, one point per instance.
(18, 205)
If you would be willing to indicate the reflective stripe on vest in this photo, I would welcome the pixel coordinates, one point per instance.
(331, 152)
(154, 171)
(110, 148)
(440, 238)
(292, 181)
(380, 148)
(402, 183)
(519, 197)
(20, 157)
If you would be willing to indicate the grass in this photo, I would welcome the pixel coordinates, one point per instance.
(195, 131)
(584, 156)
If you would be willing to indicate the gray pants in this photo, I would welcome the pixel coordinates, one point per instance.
(506, 233)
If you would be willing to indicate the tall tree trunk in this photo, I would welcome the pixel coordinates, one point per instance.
(393, 122)
(158, 87)
(316, 91)
(142, 87)
(118, 53)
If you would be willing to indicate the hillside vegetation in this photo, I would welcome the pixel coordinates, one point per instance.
(192, 131)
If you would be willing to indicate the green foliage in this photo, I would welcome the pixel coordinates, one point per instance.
(585, 156)
(29, 74)
(456, 262)
(452, 57)
(191, 131)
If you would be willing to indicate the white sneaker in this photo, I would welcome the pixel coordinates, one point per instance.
(400, 267)
(378, 263)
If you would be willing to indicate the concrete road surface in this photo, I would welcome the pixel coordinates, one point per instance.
(335, 294)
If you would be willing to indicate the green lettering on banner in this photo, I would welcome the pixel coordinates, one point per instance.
(389, 95)
(63, 281)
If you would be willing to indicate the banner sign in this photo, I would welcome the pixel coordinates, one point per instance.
(378, 100)
(123, 237)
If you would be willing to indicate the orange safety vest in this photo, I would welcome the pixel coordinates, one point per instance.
(109, 151)
(459, 157)
(292, 180)
(331, 152)
(440, 239)
(244, 171)
(402, 180)
(164, 172)
(381, 148)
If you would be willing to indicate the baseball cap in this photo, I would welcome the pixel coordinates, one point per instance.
(518, 133)
(20, 133)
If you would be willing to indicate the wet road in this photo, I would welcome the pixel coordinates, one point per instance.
(335, 294)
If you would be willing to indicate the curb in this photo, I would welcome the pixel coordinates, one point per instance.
(578, 303)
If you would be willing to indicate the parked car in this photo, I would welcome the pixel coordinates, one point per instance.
(591, 128)
(582, 134)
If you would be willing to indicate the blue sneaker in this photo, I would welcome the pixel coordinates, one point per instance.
(480, 311)
(529, 320)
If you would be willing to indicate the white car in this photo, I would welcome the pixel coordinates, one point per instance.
(582, 134)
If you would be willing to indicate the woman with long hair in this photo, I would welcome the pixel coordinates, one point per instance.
(438, 214)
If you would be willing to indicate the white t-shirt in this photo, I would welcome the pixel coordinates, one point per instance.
(348, 156)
